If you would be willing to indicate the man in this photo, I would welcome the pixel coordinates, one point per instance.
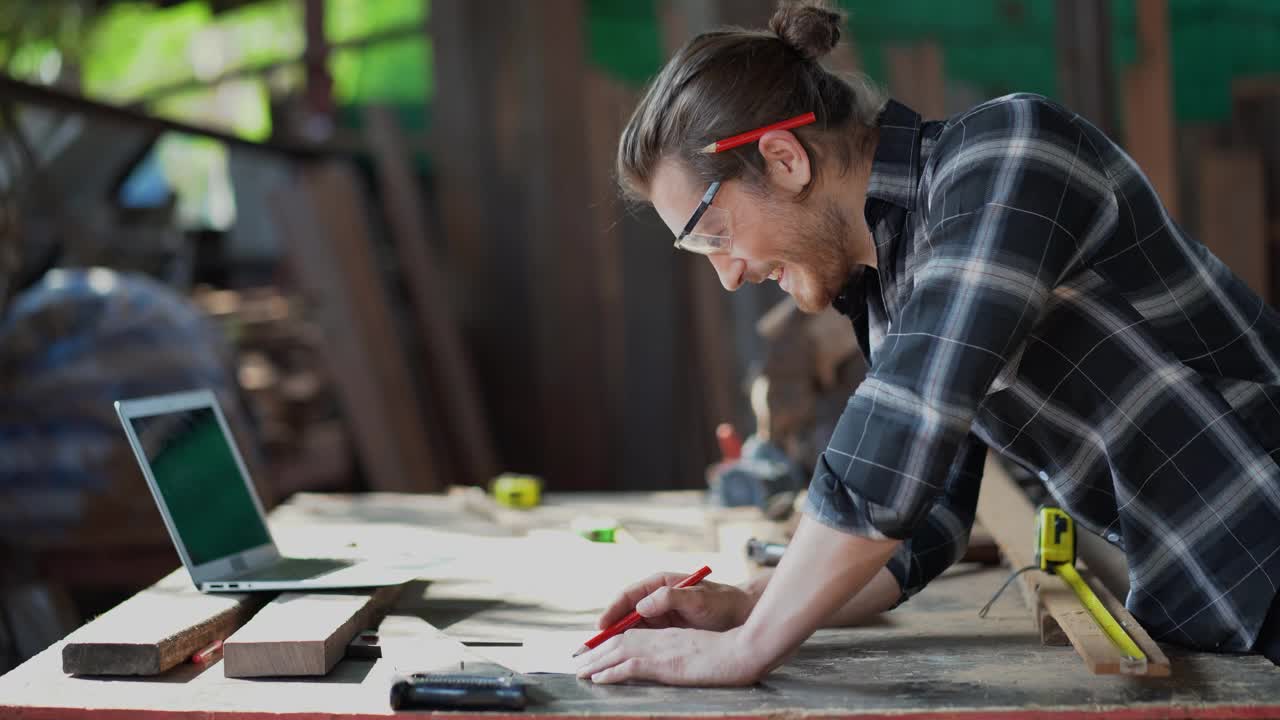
(1017, 285)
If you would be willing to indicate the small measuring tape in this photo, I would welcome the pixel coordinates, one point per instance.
(1056, 554)
(517, 491)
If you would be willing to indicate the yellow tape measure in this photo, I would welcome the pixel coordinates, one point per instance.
(517, 491)
(1056, 553)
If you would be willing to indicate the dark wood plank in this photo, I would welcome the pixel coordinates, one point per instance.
(1233, 215)
(1148, 103)
(575, 447)
(917, 79)
(326, 223)
(1086, 79)
(454, 383)
(299, 634)
(611, 103)
(1255, 115)
(157, 629)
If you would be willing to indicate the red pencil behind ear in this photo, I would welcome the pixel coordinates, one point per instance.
(753, 135)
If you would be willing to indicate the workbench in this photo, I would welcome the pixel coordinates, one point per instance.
(509, 576)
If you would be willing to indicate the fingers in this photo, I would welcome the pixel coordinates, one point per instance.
(688, 602)
(633, 594)
(618, 660)
(606, 655)
(631, 669)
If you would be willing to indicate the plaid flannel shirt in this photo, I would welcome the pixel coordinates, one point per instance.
(1033, 296)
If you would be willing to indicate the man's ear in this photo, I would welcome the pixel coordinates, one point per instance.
(785, 161)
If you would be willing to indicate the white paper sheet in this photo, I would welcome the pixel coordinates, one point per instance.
(542, 652)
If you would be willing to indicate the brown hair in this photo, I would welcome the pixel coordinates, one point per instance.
(729, 81)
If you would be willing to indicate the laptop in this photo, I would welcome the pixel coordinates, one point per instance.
(212, 509)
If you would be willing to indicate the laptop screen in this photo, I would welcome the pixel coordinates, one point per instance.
(196, 471)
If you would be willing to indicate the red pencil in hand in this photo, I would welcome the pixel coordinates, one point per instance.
(627, 622)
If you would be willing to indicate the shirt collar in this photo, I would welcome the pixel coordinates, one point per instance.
(895, 169)
(895, 173)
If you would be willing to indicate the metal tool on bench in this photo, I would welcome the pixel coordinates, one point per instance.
(1056, 554)
(764, 553)
(757, 473)
(457, 691)
(768, 554)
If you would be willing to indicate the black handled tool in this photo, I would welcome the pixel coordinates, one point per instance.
(457, 691)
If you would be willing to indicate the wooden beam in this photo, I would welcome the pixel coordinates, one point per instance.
(1085, 75)
(25, 93)
(157, 629)
(1148, 103)
(1059, 616)
(459, 401)
(1233, 214)
(575, 448)
(916, 78)
(326, 227)
(300, 634)
(611, 103)
(388, 35)
(1255, 115)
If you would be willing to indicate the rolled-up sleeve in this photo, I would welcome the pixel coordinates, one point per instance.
(1014, 198)
(943, 537)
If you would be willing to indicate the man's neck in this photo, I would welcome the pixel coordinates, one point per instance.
(851, 198)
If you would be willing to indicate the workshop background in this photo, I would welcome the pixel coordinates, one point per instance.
(387, 233)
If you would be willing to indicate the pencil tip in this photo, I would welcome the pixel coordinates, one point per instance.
(581, 649)
(709, 148)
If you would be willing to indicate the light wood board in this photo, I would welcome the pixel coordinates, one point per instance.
(300, 634)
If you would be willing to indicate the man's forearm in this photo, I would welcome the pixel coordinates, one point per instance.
(820, 571)
(876, 597)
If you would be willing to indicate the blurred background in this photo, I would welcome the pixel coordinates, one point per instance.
(386, 232)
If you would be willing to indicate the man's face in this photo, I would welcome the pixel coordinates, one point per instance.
(801, 245)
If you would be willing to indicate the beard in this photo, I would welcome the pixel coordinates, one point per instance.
(816, 253)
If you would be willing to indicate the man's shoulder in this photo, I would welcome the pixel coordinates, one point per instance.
(1025, 127)
(1009, 107)
(1014, 115)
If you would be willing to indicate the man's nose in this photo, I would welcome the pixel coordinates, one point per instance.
(731, 270)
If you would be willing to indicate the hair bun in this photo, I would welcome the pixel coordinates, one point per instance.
(810, 28)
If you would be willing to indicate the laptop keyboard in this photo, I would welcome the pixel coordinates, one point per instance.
(296, 569)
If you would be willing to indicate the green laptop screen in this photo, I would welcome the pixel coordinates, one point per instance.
(196, 471)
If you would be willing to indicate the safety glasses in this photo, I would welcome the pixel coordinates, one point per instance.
(709, 230)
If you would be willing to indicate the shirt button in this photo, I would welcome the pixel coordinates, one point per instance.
(1113, 537)
(1044, 476)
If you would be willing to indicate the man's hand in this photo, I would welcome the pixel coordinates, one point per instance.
(674, 656)
(705, 606)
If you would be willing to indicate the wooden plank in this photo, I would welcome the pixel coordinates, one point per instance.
(1148, 104)
(611, 103)
(1255, 115)
(454, 381)
(576, 449)
(916, 78)
(327, 231)
(1008, 515)
(1086, 84)
(156, 629)
(1233, 213)
(300, 634)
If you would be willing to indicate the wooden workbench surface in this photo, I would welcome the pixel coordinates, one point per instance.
(933, 657)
